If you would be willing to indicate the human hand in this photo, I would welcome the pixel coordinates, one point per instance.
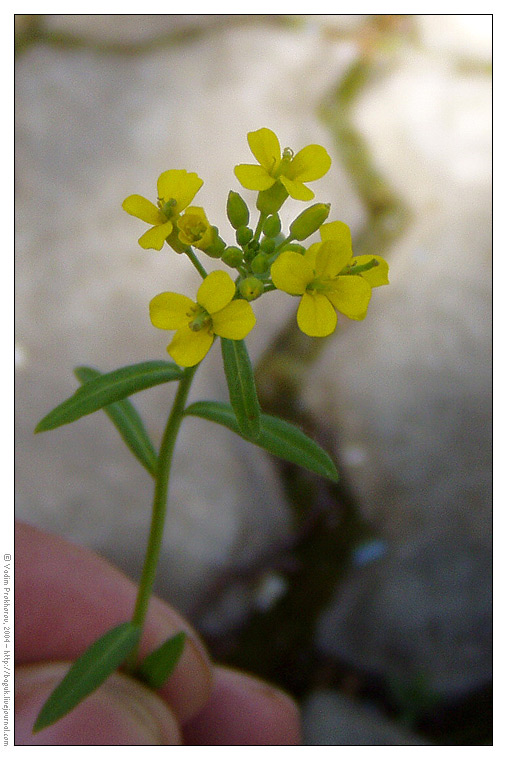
(67, 596)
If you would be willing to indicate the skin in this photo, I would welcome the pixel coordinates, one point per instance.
(66, 597)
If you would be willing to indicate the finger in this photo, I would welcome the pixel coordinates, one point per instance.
(67, 596)
(243, 710)
(121, 712)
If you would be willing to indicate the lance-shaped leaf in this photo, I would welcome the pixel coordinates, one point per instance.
(277, 436)
(108, 388)
(156, 668)
(127, 421)
(88, 672)
(242, 390)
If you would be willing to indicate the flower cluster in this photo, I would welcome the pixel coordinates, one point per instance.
(326, 276)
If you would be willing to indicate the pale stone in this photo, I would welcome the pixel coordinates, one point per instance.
(330, 718)
(410, 388)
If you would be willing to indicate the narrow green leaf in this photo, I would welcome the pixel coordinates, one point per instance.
(108, 388)
(127, 421)
(156, 668)
(242, 390)
(277, 436)
(88, 673)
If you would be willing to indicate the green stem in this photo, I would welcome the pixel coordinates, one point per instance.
(197, 264)
(160, 504)
(280, 245)
(262, 218)
(357, 268)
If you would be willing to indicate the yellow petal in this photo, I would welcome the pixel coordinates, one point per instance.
(196, 211)
(338, 231)
(188, 348)
(316, 316)
(155, 237)
(291, 272)
(170, 311)
(235, 321)
(331, 258)
(207, 239)
(253, 177)
(309, 164)
(265, 146)
(216, 291)
(376, 276)
(180, 185)
(296, 189)
(143, 209)
(311, 254)
(351, 295)
(339, 234)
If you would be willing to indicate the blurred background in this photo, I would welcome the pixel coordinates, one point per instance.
(370, 601)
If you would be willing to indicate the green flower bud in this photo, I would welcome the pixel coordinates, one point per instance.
(270, 201)
(215, 251)
(217, 247)
(232, 256)
(237, 210)
(251, 288)
(309, 221)
(268, 245)
(251, 250)
(294, 247)
(260, 263)
(244, 235)
(272, 226)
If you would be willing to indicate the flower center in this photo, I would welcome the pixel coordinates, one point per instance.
(287, 156)
(167, 207)
(195, 231)
(199, 318)
(320, 285)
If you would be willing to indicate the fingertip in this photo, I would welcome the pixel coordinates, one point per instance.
(122, 712)
(242, 711)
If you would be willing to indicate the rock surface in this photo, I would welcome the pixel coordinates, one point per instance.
(410, 393)
(331, 719)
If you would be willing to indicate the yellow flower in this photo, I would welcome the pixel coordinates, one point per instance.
(291, 170)
(318, 277)
(176, 188)
(196, 324)
(194, 228)
(340, 233)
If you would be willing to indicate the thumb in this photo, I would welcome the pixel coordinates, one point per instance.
(121, 712)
